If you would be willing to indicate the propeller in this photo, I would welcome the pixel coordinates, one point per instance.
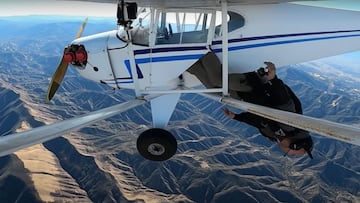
(63, 66)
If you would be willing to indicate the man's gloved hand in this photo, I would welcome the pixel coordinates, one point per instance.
(271, 70)
(229, 113)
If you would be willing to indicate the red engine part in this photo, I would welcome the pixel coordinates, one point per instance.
(69, 57)
(81, 55)
(76, 55)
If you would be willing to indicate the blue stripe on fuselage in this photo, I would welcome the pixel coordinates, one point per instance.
(283, 36)
(232, 41)
(169, 49)
(249, 46)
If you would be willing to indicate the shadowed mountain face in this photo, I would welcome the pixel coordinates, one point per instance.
(218, 160)
(15, 184)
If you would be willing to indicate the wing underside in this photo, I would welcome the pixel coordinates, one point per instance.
(17, 141)
(190, 3)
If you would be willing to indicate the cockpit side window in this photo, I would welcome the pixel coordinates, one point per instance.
(182, 27)
(235, 21)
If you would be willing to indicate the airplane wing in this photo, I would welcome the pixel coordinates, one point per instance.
(17, 141)
(345, 133)
(191, 3)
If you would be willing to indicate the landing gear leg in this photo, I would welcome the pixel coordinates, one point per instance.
(156, 144)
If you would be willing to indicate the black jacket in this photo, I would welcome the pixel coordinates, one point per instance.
(274, 94)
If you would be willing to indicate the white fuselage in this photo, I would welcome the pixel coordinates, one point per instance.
(282, 33)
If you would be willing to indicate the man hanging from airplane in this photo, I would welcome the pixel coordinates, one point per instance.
(264, 88)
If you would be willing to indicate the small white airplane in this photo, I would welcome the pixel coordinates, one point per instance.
(151, 52)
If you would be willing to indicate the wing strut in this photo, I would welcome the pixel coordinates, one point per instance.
(345, 133)
(225, 50)
(17, 141)
(162, 108)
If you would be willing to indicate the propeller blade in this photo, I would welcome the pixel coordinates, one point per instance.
(62, 68)
(81, 29)
(56, 79)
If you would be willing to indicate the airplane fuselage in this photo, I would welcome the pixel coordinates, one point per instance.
(165, 46)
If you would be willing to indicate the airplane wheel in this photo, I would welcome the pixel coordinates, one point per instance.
(156, 144)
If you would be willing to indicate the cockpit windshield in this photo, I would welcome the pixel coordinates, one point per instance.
(140, 29)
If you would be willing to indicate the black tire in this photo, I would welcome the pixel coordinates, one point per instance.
(156, 144)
